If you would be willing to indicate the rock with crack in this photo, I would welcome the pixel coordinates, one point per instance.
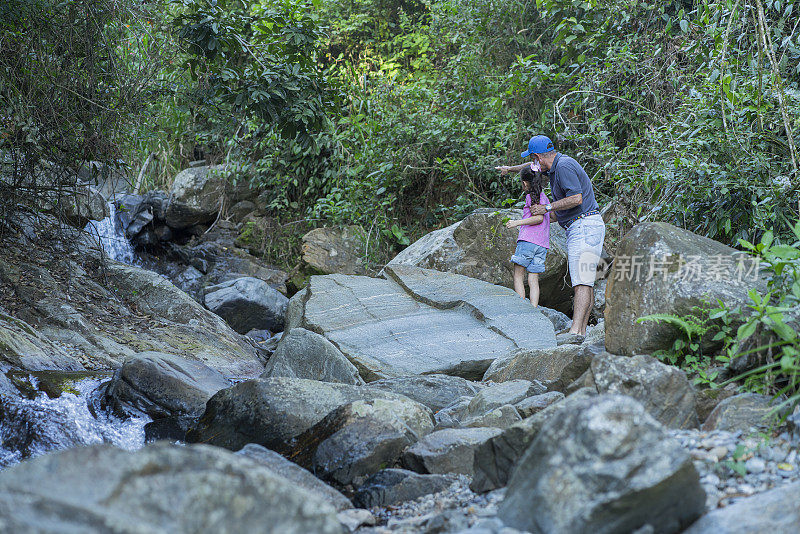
(419, 321)
(604, 465)
(495, 459)
(663, 390)
(447, 451)
(163, 385)
(296, 474)
(305, 354)
(160, 488)
(274, 412)
(361, 438)
(557, 368)
(394, 486)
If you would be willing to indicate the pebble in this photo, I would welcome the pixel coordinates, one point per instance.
(719, 453)
(755, 465)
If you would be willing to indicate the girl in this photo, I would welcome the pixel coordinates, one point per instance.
(534, 235)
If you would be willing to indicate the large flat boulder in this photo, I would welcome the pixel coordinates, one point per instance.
(163, 385)
(161, 488)
(663, 390)
(480, 246)
(305, 354)
(419, 321)
(274, 412)
(604, 465)
(660, 268)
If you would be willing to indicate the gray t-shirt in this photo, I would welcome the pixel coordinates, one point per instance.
(568, 178)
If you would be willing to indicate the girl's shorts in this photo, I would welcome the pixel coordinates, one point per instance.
(530, 255)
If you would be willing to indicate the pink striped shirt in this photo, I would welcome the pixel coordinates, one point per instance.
(538, 234)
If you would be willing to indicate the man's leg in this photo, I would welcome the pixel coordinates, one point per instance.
(519, 280)
(581, 306)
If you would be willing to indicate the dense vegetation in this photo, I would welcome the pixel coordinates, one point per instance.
(392, 114)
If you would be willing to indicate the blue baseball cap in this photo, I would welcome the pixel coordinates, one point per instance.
(539, 144)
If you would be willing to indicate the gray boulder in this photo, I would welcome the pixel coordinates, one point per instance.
(82, 204)
(297, 475)
(742, 412)
(21, 346)
(557, 368)
(419, 322)
(774, 511)
(663, 390)
(335, 250)
(394, 486)
(447, 451)
(500, 417)
(305, 354)
(604, 465)
(495, 459)
(247, 304)
(660, 268)
(708, 399)
(197, 195)
(560, 320)
(537, 403)
(434, 391)
(451, 416)
(163, 385)
(498, 395)
(185, 327)
(273, 412)
(361, 438)
(479, 247)
(161, 488)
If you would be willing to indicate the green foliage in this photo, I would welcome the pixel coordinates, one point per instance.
(687, 349)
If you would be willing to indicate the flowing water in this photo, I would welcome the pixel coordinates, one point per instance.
(112, 237)
(30, 427)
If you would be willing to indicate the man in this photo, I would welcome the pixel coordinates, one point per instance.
(577, 212)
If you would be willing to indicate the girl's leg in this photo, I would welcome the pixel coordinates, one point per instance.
(519, 280)
(533, 283)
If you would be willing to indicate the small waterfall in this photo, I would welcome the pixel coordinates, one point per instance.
(32, 427)
(112, 237)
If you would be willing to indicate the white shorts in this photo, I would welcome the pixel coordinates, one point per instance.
(584, 248)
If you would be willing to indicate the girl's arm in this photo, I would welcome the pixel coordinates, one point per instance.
(536, 219)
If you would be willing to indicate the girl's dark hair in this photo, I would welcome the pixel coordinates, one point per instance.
(534, 180)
